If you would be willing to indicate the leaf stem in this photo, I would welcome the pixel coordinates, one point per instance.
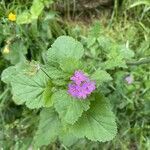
(140, 62)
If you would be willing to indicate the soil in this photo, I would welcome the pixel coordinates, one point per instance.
(83, 10)
(81, 5)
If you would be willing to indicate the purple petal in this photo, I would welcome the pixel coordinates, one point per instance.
(129, 79)
(81, 87)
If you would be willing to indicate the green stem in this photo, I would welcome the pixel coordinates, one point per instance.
(140, 62)
(3, 95)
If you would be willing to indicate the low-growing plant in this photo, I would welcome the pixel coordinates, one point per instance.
(30, 40)
(32, 14)
(73, 95)
(70, 89)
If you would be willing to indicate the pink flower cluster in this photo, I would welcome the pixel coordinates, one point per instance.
(129, 79)
(81, 85)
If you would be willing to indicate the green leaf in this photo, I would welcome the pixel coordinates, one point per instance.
(32, 89)
(116, 58)
(60, 82)
(58, 77)
(96, 29)
(105, 43)
(24, 18)
(48, 129)
(69, 108)
(7, 74)
(141, 2)
(24, 143)
(55, 73)
(116, 55)
(36, 8)
(113, 63)
(47, 2)
(70, 65)
(67, 138)
(126, 52)
(90, 41)
(17, 52)
(47, 96)
(101, 76)
(63, 48)
(34, 12)
(98, 123)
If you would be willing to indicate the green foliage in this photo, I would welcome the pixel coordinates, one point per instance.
(65, 48)
(36, 9)
(48, 129)
(111, 54)
(140, 2)
(115, 61)
(68, 139)
(54, 73)
(101, 76)
(17, 52)
(67, 55)
(35, 85)
(98, 123)
(69, 108)
(8, 74)
(69, 65)
(24, 18)
(29, 86)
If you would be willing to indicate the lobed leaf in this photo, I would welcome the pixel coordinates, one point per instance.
(70, 65)
(98, 123)
(24, 18)
(48, 129)
(101, 76)
(34, 12)
(8, 74)
(113, 63)
(69, 108)
(67, 138)
(32, 89)
(29, 85)
(17, 52)
(63, 48)
(55, 73)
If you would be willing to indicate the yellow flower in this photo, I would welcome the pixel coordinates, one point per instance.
(6, 50)
(12, 17)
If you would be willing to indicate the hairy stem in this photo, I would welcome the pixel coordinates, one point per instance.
(140, 62)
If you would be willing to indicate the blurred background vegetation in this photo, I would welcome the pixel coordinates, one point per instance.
(125, 21)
